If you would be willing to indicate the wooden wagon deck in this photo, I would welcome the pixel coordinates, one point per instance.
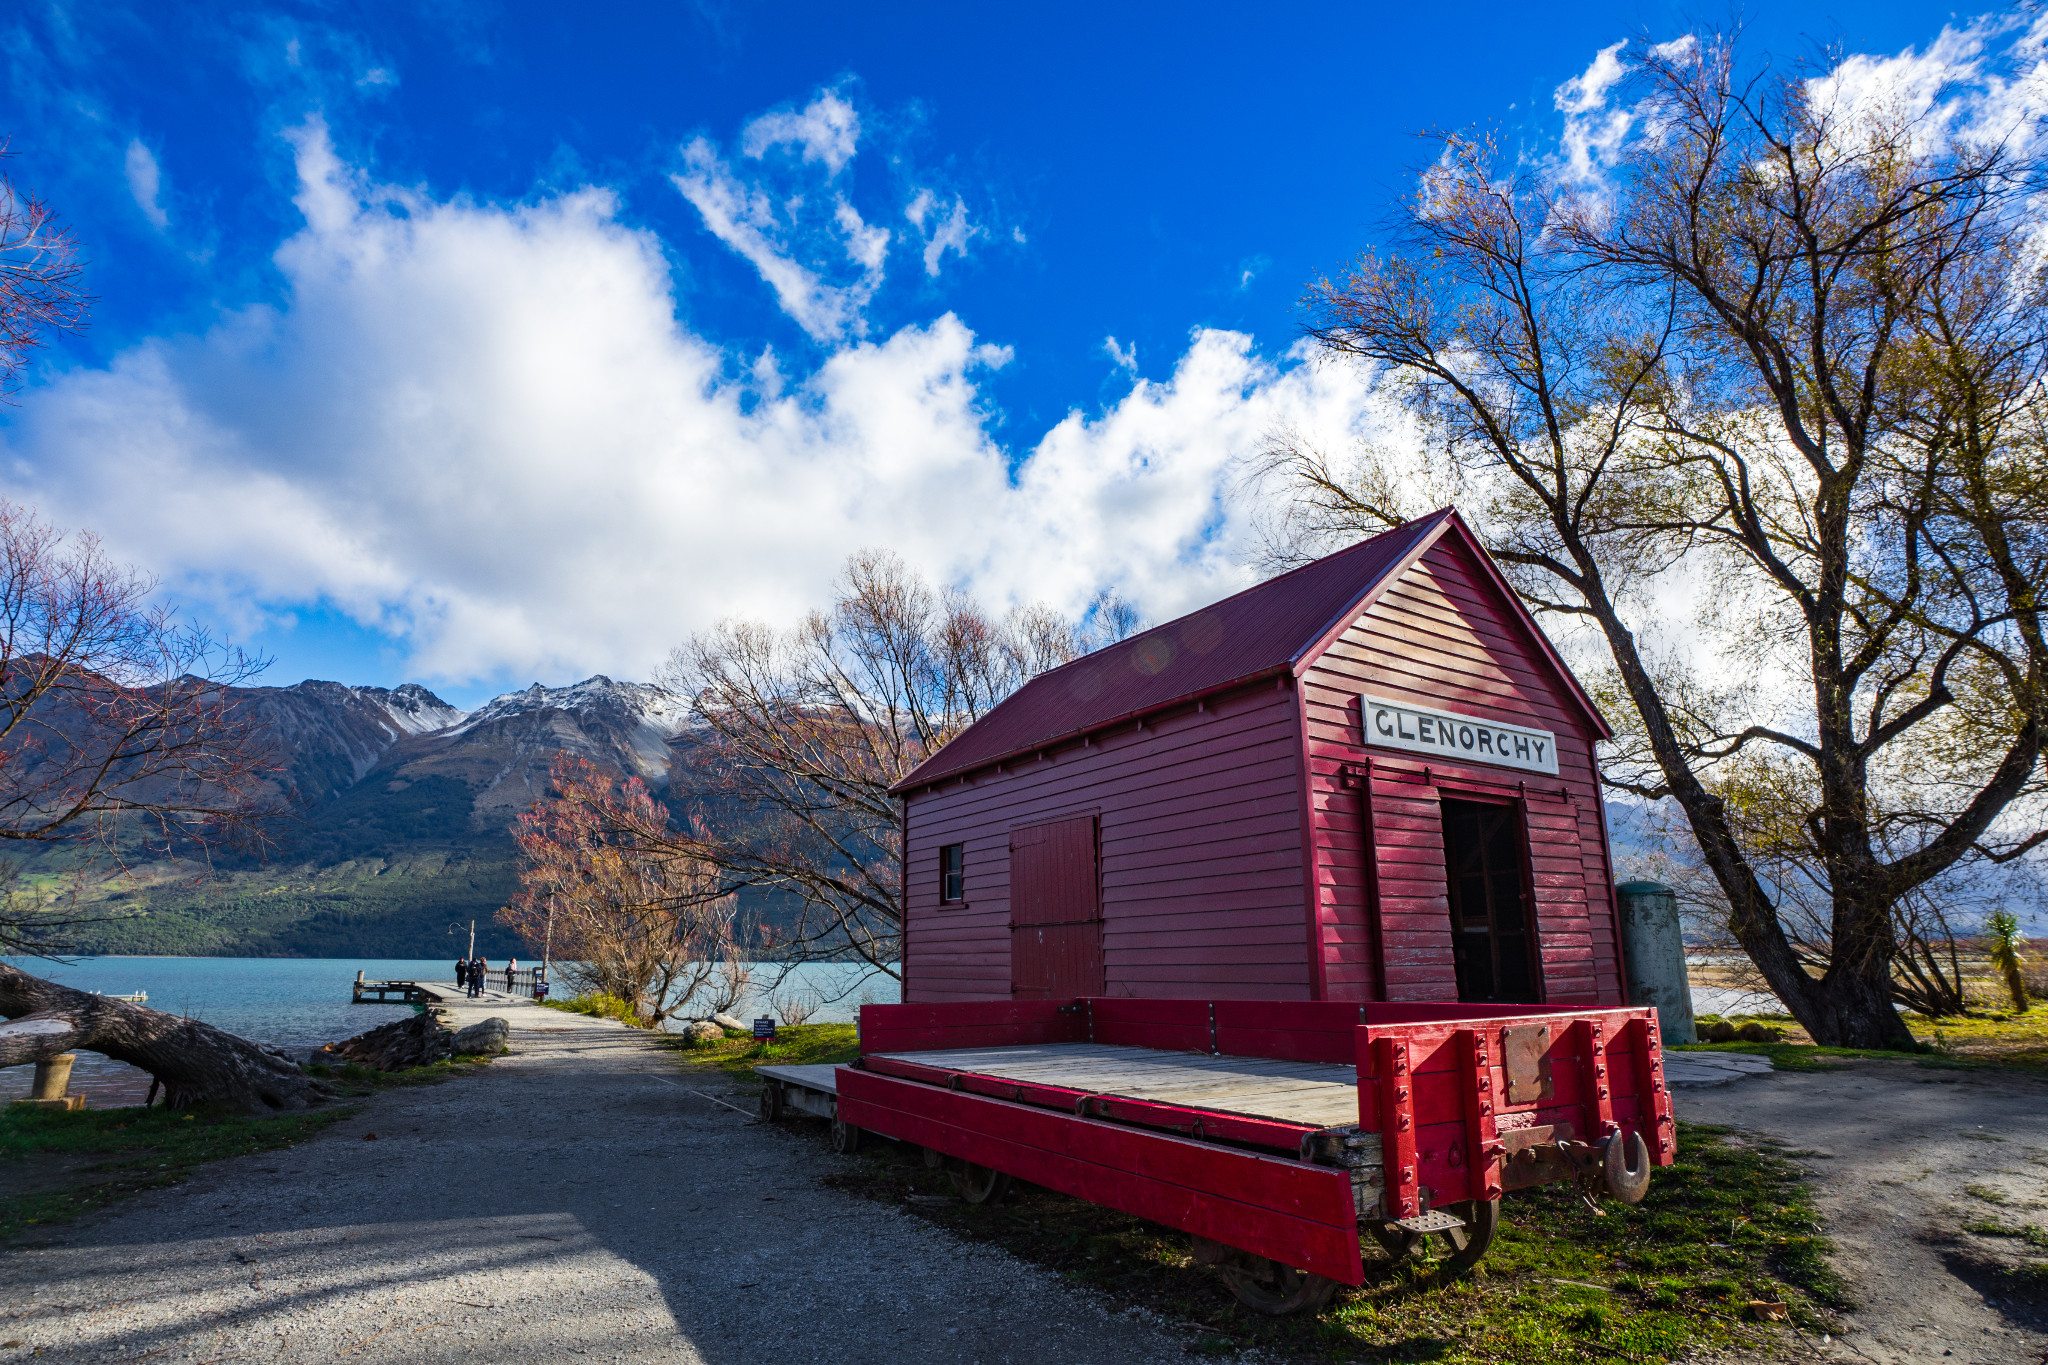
(1311, 1094)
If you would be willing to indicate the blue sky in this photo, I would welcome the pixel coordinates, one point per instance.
(479, 345)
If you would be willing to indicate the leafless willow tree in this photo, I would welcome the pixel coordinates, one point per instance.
(804, 729)
(1791, 350)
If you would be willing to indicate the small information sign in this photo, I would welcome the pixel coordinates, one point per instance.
(764, 1029)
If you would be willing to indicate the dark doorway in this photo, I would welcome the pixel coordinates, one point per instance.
(1055, 911)
(1489, 906)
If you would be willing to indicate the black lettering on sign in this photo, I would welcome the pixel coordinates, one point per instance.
(1424, 729)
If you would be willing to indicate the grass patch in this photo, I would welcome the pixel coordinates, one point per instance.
(1986, 1039)
(1727, 1226)
(355, 1081)
(598, 1005)
(94, 1157)
(56, 1165)
(799, 1045)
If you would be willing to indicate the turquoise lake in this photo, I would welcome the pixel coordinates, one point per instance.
(299, 1003)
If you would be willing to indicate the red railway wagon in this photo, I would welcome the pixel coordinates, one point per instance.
(1274, 1132)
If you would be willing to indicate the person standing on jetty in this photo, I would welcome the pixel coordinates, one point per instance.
(476, 982)
(461, 971)
(511, 969)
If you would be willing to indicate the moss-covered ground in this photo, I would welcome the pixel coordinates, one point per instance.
(1724, 1237)
(1985, 1038)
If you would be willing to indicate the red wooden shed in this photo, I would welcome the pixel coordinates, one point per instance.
(1368, 779)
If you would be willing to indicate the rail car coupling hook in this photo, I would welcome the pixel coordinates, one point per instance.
(1625, 1167)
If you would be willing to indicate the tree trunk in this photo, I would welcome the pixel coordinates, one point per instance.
(197, 1063)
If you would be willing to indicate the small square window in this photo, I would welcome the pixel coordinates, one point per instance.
(952, 873)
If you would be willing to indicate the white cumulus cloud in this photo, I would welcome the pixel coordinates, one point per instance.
(481, 430)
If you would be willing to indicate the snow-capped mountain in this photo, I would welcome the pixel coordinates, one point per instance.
(332, 738)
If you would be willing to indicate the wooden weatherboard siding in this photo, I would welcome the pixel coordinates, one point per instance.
(1200, 854)
(1251, 843)
(1441, 635)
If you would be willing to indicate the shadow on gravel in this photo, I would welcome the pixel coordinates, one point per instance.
(284, 1279)
(2016, 1287)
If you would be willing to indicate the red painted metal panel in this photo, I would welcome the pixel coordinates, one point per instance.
(1293, 1212)
(1483, 1151)
(1397, 1130)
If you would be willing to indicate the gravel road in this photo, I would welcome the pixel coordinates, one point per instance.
(575, 1201)
(1902, 1158)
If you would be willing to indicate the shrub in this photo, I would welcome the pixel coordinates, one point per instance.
(601, 1006)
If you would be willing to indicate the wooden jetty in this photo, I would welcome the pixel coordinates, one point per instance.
(392, 993)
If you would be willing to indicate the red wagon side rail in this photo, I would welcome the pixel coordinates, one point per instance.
(1274, 1128)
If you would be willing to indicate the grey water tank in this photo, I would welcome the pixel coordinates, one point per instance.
(1654, 948)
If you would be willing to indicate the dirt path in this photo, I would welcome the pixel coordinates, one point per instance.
(576, 1201)
(1893, 1150)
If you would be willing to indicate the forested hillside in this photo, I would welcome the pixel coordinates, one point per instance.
(401, 836)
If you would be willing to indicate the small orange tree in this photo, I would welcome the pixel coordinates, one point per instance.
(625, 905)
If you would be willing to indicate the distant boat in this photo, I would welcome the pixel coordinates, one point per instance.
(139, 998)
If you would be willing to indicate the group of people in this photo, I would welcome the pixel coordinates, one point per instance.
(472, 972)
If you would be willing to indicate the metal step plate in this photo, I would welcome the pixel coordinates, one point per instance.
(1436, 1220)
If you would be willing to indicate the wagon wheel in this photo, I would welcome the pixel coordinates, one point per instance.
(1266, 1286)
(771, 1102)
(979, 1184)
(933, 1158)
(1467, 1244)
(845, 1137)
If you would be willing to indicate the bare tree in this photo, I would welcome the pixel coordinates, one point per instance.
(39, 278)
(118, 725)
(1794, 348)
(633, 913)
(804, 731)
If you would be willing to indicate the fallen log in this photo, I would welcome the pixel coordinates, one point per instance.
(195, 1062)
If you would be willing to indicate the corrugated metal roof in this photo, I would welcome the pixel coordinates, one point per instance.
(1260, 630)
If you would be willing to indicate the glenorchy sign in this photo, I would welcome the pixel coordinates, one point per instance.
(1447, 734)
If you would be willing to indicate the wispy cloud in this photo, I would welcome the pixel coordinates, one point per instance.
(145, 182)
(949, 231)
(746, 218)
(826, 130)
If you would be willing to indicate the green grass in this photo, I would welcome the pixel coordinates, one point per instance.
(136, 1150)
(115, 1153)
(598, 1005)
(1976, 1042)
(800, 1045)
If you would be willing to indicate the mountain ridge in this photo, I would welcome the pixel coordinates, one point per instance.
(402, 829)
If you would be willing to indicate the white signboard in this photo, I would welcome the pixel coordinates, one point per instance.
(1447, 734)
